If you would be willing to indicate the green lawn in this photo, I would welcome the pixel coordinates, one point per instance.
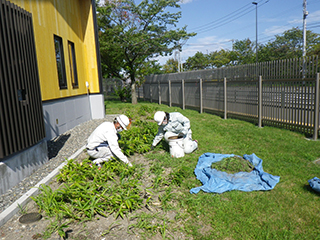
(289, 211)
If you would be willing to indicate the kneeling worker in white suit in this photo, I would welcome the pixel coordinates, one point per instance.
(174, 124)
(103, 141)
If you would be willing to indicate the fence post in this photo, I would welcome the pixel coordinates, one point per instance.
(201, 100)
(144, 92)
(260, 102)
(183, 100)
(159, 89)
(316, 110)
(170, 99)
(225, 98)
(150, 92)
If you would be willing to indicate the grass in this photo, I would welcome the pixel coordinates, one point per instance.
(289, 211)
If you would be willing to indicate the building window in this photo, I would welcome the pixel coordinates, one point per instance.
(73, 65)
(60, 62)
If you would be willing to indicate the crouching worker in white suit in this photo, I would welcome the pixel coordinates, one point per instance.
(103, 141)
(174, 124)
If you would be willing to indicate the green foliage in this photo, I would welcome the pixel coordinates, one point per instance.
(130, 34)
(244, 51)
(139, 137)
(151, 224)
(221, 58)
(123, 92)
(179, 175)
(22, 210)
(171, 66)
(55, 226)
(289, 211)
(287, 45)
(166, 198)
(233, 165)
(87, 191)
(197, 62)
(275, 214)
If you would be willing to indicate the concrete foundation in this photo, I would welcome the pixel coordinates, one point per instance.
(59, 116)
(21, 165)
(64, 114)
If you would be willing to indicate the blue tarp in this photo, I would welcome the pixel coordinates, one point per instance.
(315, 184)
(218, 182)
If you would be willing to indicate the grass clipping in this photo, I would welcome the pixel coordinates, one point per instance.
(233, 165)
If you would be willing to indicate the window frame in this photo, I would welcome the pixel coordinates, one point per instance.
(60, 62)
(73, 65)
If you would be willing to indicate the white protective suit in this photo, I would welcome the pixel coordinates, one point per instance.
(103, 144)
(177, 124)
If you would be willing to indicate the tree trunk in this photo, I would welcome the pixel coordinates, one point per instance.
(133, 93)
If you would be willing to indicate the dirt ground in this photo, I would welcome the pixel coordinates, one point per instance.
(101, 227)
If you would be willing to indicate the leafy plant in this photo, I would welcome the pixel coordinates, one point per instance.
(151, 224)
(166, 198)
(55, 226)
(286, 212)
(22, 210)
(233, 165)
(179, 175)
(86, 192)
(138, 138)
(123, 92)
(110, 228)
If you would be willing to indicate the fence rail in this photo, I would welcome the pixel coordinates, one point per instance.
(286, 95)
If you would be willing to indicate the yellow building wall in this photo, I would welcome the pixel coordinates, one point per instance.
(72, 21)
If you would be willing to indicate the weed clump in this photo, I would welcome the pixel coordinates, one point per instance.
(233, 165)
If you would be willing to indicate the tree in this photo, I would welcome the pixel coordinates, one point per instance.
(289, 45)
(131, 34)
(220, 58)
(244, 52)
(171, 66)
(197, 62)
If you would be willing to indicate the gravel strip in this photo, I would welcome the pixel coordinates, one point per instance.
(59, 149)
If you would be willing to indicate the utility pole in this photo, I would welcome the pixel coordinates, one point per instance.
(178, 59)
(255, 3)
(305, 14)
(304, 52)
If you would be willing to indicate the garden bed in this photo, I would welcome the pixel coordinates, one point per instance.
(155, 218)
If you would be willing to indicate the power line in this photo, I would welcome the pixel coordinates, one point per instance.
(218, 20)
(245, 10)
(207, 44)
(232, 17)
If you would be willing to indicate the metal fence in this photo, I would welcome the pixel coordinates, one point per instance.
(21, 116)
(279, 93)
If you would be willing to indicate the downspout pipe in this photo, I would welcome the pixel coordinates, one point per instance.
(95, 25)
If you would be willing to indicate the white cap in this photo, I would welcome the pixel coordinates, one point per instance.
(123, 120)
(159, 117)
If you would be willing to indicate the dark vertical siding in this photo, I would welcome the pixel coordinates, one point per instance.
(21, 116)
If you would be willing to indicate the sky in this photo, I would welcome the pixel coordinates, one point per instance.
(219, 23)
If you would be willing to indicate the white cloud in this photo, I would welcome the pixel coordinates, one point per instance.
(185, 1)
(274, 30)
(313, 17)
(204, 45)
(207, 45)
